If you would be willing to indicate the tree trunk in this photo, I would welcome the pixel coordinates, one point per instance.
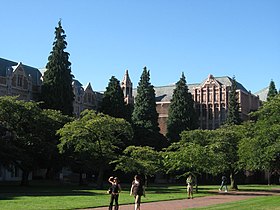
(99, 181)
(24, 178)
(233, 184)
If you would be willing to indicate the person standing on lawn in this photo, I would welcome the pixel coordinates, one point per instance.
(137, 190)
(190, 183)
(115, 190)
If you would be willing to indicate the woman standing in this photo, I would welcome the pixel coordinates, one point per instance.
(115, 190)
(190, 183)
(137, 190)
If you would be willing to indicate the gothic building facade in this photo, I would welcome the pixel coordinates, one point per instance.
(20, 80)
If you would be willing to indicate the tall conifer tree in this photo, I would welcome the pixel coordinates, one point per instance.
(181, 113)
(113, 100)
(233, 114)
(144, 114)
(57, 92)
(272, 91)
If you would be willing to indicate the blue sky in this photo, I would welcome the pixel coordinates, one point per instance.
(106, 37)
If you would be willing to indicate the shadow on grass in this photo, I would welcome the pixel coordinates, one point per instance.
(11, 191)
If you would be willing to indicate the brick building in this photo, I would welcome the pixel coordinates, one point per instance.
(211, 99)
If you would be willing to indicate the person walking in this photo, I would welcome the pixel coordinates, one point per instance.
(190, 183)
(115, 189)
(137, 190)
(224, 184)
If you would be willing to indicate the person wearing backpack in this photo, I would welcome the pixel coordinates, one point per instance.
(115, 189)
(137, 190)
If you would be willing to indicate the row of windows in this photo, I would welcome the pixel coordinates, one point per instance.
(211, 112)
(208, 95)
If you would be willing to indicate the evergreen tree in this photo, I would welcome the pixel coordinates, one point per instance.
(144, 114)
(113, 100)
(57, 92)
(181, 113)
(233, 115)
(272, 91)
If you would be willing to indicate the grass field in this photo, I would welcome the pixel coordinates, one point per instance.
(260, 203)
(49, 196)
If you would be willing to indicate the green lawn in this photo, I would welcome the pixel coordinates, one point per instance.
(65, 197)
(260, 203)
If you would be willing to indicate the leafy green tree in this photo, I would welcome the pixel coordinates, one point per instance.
(233, 115)
(228, 138)
(196, 152)
(205, 151)
(94, 138)
(272, 91)
(140, 160)
(144, 114)
(57, 92)
(113, 100)
(27, 134)
(52, 120)
(259, 149)
(181, 113)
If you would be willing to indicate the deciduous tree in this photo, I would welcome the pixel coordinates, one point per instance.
(95, 138)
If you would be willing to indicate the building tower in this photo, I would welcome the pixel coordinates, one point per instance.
(127, 86)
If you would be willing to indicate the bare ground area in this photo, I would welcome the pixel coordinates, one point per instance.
(221, 197)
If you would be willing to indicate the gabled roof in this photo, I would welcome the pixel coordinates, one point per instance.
(34, 72)
(262, 94)
(164, 93)
(88, 87)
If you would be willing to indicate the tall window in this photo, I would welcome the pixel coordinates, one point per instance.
(19, 80)
(210, 112)
(216, 110)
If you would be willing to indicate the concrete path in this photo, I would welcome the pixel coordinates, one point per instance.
(197, 202)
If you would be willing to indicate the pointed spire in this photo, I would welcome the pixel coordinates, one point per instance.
(126, 80)
(126, 86)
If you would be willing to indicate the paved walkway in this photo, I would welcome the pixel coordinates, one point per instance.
(197, 202)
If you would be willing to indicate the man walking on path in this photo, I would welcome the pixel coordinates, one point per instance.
(224, 184)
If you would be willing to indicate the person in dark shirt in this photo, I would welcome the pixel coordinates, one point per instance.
(137, 190)
(224, 184)
(115, 190)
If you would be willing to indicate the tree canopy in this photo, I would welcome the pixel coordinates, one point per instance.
(260, 147)
(140, 160)
(96, 138)
(28, 139)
